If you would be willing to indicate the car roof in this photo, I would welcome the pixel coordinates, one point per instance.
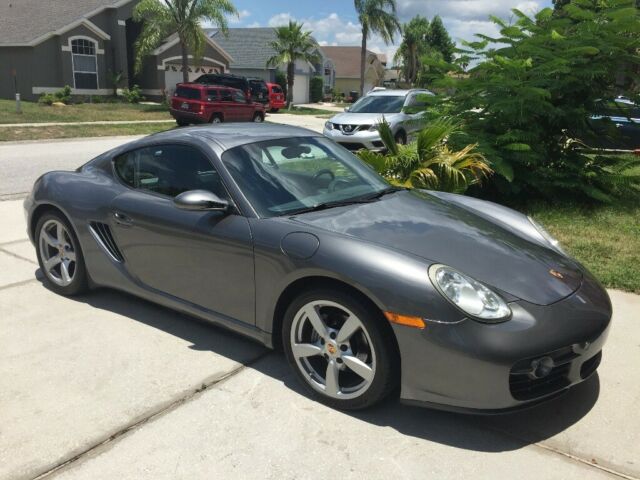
(206, 86)
(226, 136)
(395, 92)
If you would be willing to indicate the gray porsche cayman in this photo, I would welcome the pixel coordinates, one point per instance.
(280, 234)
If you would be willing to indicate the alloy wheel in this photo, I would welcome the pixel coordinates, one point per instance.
(333, 349)
(57, 253)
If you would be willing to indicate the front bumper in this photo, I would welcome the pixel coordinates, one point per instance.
(475, 367)
(367, 139)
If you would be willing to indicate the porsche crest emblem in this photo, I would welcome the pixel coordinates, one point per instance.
(556, 274)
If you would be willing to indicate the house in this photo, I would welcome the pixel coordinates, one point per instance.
(251, 49)
(346, 64)
(45, 45)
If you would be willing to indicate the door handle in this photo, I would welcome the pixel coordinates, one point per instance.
(122, 219)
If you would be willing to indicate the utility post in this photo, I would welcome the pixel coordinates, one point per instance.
(14, 74)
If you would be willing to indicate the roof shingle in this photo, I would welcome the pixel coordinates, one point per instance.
(249, 47)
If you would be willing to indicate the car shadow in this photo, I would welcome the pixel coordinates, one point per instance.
(486, 433)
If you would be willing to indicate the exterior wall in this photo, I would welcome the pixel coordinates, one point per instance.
(345, 85)
(19, 58)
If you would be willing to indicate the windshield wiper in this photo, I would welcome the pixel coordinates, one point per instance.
(383, 192)
(341, 203)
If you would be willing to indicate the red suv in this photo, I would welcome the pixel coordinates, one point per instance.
(197, 103)
(276, 97)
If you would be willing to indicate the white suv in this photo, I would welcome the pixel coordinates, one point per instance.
(357, 127)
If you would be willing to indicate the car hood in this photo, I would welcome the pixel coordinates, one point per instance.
(442, 232)
(362, 118)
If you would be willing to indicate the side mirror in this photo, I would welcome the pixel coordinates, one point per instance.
(198, 200)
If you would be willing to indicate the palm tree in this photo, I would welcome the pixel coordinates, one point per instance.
(429, 162)
(292, 44)
(375, 16)
(162, 18)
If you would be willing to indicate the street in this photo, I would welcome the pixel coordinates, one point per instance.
(106, 385)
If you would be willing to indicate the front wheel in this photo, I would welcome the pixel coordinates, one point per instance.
(60, 256)
(258, 117)
(337, 346)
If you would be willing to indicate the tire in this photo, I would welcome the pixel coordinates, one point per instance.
(401, 138)
(366, 349)
(274, 110)
(216, 118)
(72, 279)
(182, 123)
(258, 117)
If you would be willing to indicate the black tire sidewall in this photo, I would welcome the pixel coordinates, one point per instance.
(258, 115)
(79, 284)
(387, 365)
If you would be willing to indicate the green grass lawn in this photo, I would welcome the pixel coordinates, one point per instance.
(606, 239)
(87, 112)
(76, 131)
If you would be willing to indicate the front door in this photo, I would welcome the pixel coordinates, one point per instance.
(204, 258)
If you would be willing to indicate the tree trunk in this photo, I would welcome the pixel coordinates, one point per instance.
(414, 65)
(363, 60)
(185, 61)
(291, 71)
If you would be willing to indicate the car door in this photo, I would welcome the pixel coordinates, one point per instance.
(229, 108)
(245, 110)
(201, 257)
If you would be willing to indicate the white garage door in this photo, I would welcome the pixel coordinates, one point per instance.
(301, 89)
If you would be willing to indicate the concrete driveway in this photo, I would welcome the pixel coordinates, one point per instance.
(106, 386)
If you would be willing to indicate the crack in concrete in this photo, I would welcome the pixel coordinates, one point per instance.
(172, 405)
(20, 257)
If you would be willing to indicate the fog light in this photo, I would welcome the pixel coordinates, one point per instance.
(541, 367)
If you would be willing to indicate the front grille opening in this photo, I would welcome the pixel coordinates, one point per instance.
(525, 386)
(352, 146)
(102, 234)
(590, 366)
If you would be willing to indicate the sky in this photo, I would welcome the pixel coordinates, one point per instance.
(334, 22)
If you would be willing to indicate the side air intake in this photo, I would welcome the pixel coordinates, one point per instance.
(102, 234)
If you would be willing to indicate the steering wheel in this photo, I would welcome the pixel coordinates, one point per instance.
(324, 171)
(335, 184)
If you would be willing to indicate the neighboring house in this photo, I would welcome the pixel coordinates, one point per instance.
(346, 63)
(81, 43)
(251, 49)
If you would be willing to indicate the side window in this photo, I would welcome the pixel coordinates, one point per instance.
(169, 170)
(212, 95)
(239, 97)
(225, 96)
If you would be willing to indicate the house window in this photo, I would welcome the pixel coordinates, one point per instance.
(85, 64)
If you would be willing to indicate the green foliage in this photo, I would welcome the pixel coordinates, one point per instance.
(412, 47)
(439, 40)
(529, 99)
(133, 95)
(375, 17)
(182, 17)
(317, 89)
(292, 43)
(429, 162)
(281, 79)
(63, 95)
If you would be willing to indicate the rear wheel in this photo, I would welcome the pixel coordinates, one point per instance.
(182, 123)
(274, 110)
(337, 347)
(60, 256)
(216, 118)
(258, 117)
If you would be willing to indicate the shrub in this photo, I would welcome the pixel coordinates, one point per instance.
(132, 95)
(429, 162)
(281, 79)
(529, 98)
(47, 99)
(63, 95)
(316, 89)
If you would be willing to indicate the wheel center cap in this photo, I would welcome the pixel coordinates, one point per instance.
(332, 349)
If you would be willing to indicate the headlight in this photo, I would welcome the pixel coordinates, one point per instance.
(469, 295)
(553, 243)
(328, 126)
(373, 128)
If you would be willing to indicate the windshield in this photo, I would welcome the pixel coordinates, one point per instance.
(378, 104)
(284, 176)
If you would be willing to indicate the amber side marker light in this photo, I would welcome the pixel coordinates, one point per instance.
(415, 322)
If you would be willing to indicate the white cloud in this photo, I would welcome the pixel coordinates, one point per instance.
(235, 19)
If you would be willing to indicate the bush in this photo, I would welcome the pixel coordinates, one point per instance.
(316, 89)
(132, 95)
(528, 100)
(63, 95)
(281, 79)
